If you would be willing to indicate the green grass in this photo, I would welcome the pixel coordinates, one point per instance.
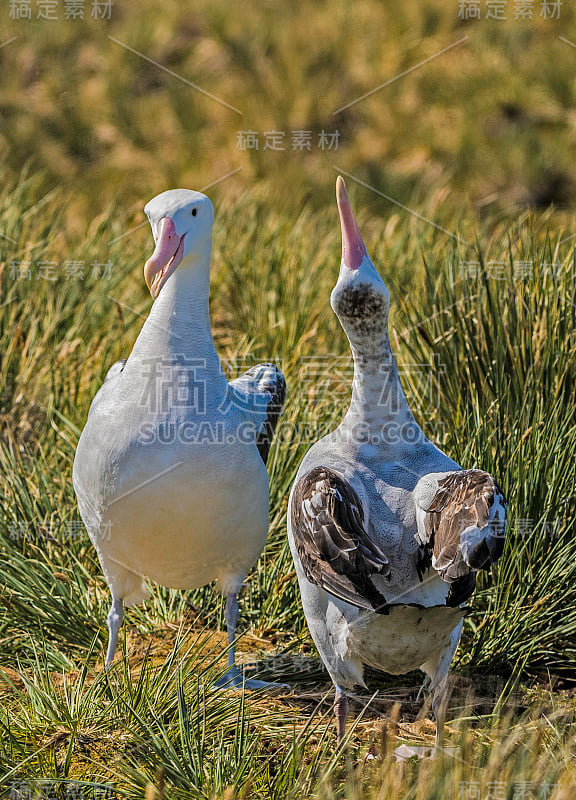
(480, 142)
(488, 364)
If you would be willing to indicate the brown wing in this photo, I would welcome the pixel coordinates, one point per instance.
(465, 527)
(334, 548)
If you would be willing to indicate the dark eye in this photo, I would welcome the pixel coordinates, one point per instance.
(194, 212)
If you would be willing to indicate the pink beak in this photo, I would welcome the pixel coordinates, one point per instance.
(353, 247)
(165, 258)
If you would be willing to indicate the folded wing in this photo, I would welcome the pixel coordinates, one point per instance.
(262, 391)
(110, 380)
(335, 549)
(462, 530)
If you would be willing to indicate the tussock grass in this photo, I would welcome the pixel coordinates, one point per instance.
(470, 142)
(488, 364)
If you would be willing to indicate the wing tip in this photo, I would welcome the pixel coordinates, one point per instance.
(486, 552)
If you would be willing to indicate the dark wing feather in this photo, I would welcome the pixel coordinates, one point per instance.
(464, 500)
(116, 369)
(264, 388)
(334, 548)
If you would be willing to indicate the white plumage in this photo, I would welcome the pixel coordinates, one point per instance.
(170, 470)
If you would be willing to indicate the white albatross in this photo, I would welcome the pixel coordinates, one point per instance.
(386, 531)
(170, 470)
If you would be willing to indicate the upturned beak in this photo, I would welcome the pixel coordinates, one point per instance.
(353, 247)
(165, 258)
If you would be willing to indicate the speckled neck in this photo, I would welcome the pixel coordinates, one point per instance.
(377, 395)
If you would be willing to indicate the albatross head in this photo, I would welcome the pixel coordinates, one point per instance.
(360, 299)
(181, 222)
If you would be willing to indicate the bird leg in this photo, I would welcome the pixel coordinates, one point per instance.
(341, 711)
(232, 613)
(115, 617)
(425, 686)
(439, 706)
(437, 671)
(233, 678)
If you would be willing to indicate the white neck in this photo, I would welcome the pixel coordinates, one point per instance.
(377, 395)
(178, 325)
